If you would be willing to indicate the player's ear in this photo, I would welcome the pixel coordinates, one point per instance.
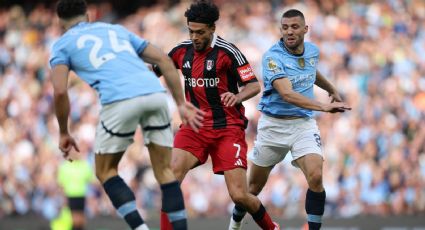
(87, 17)
(305, 29)
(212, 27)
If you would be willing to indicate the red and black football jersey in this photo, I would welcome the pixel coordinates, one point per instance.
(220, 68)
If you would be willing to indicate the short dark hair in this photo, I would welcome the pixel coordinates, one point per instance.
(203, 12)
(67, 9)
(293, 13)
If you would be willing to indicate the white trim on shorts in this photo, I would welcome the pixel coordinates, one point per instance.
(118, 122)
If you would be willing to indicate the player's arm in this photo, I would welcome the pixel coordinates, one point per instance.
(60, 87)
(249, 90)
(62, 107)
(157, 70)
(326, 85)
(284, 88)
(245, 76)
(188, 113)
(155, 56)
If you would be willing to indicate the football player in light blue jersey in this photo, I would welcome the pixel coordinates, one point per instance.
(287, 123)
(111, 60)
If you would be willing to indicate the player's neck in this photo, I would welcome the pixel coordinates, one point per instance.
(74, 21)
(297, 50)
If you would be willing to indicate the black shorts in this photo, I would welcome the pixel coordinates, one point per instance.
(76, 203)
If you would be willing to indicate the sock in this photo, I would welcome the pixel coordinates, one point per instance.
(173, 205)
(263, 219)
(165, 223)
(238, 213)
(123, 200)
(315, 207)
(142, 227)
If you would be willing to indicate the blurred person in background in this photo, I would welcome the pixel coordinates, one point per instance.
(74, 177)
(213, 70)
(106, 56)
(287, 123)
(369, 50)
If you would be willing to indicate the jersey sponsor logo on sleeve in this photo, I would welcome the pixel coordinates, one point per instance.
(312, 62)
(272, 66)
(246, 73)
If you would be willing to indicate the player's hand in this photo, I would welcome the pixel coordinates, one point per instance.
(335, 97)
(229, 99)
(191, 115)
(66, 144)
(337, 107)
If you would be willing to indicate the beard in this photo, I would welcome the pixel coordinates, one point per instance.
(201, 46)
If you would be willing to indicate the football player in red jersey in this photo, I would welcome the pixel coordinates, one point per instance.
(214, 70)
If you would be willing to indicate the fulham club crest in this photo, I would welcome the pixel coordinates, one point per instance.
(210, 64)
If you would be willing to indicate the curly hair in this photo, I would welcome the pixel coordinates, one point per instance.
(203, 12)
(67, 9)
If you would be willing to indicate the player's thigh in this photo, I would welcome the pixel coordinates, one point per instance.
(266, 155)
(155, 120)
(189, 151)
(236, 182)
(229, 150)
(273, 141)
(310, 164)
(257, 178)
(182, 162)
(160, 156)
(307, 146)
(118, 122)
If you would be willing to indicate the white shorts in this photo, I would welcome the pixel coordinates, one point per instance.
(118, 122)
(276, 137)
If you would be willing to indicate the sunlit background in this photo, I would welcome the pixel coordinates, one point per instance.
(374, 52)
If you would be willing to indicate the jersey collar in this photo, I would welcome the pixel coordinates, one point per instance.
(77, 24)
(214, 40)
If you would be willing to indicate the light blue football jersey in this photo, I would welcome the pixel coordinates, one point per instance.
(106, 57)
(299, 69)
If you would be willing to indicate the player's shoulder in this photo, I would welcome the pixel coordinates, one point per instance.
(274, 51)
(61, 43)
(230, 50)
(183, 44)
(311, 47)
(223, 44)
(180, 46)
(114, 26)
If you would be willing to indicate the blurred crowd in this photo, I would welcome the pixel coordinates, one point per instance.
(374, 51)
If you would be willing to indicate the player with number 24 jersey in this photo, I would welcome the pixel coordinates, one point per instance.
(87, 54)
(112, 60)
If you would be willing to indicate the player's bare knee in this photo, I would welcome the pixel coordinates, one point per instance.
(179, 173)
(179, 170)
(315, 179)
(255, 189)
(104, 175)
(238, 197)
(100, 176)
